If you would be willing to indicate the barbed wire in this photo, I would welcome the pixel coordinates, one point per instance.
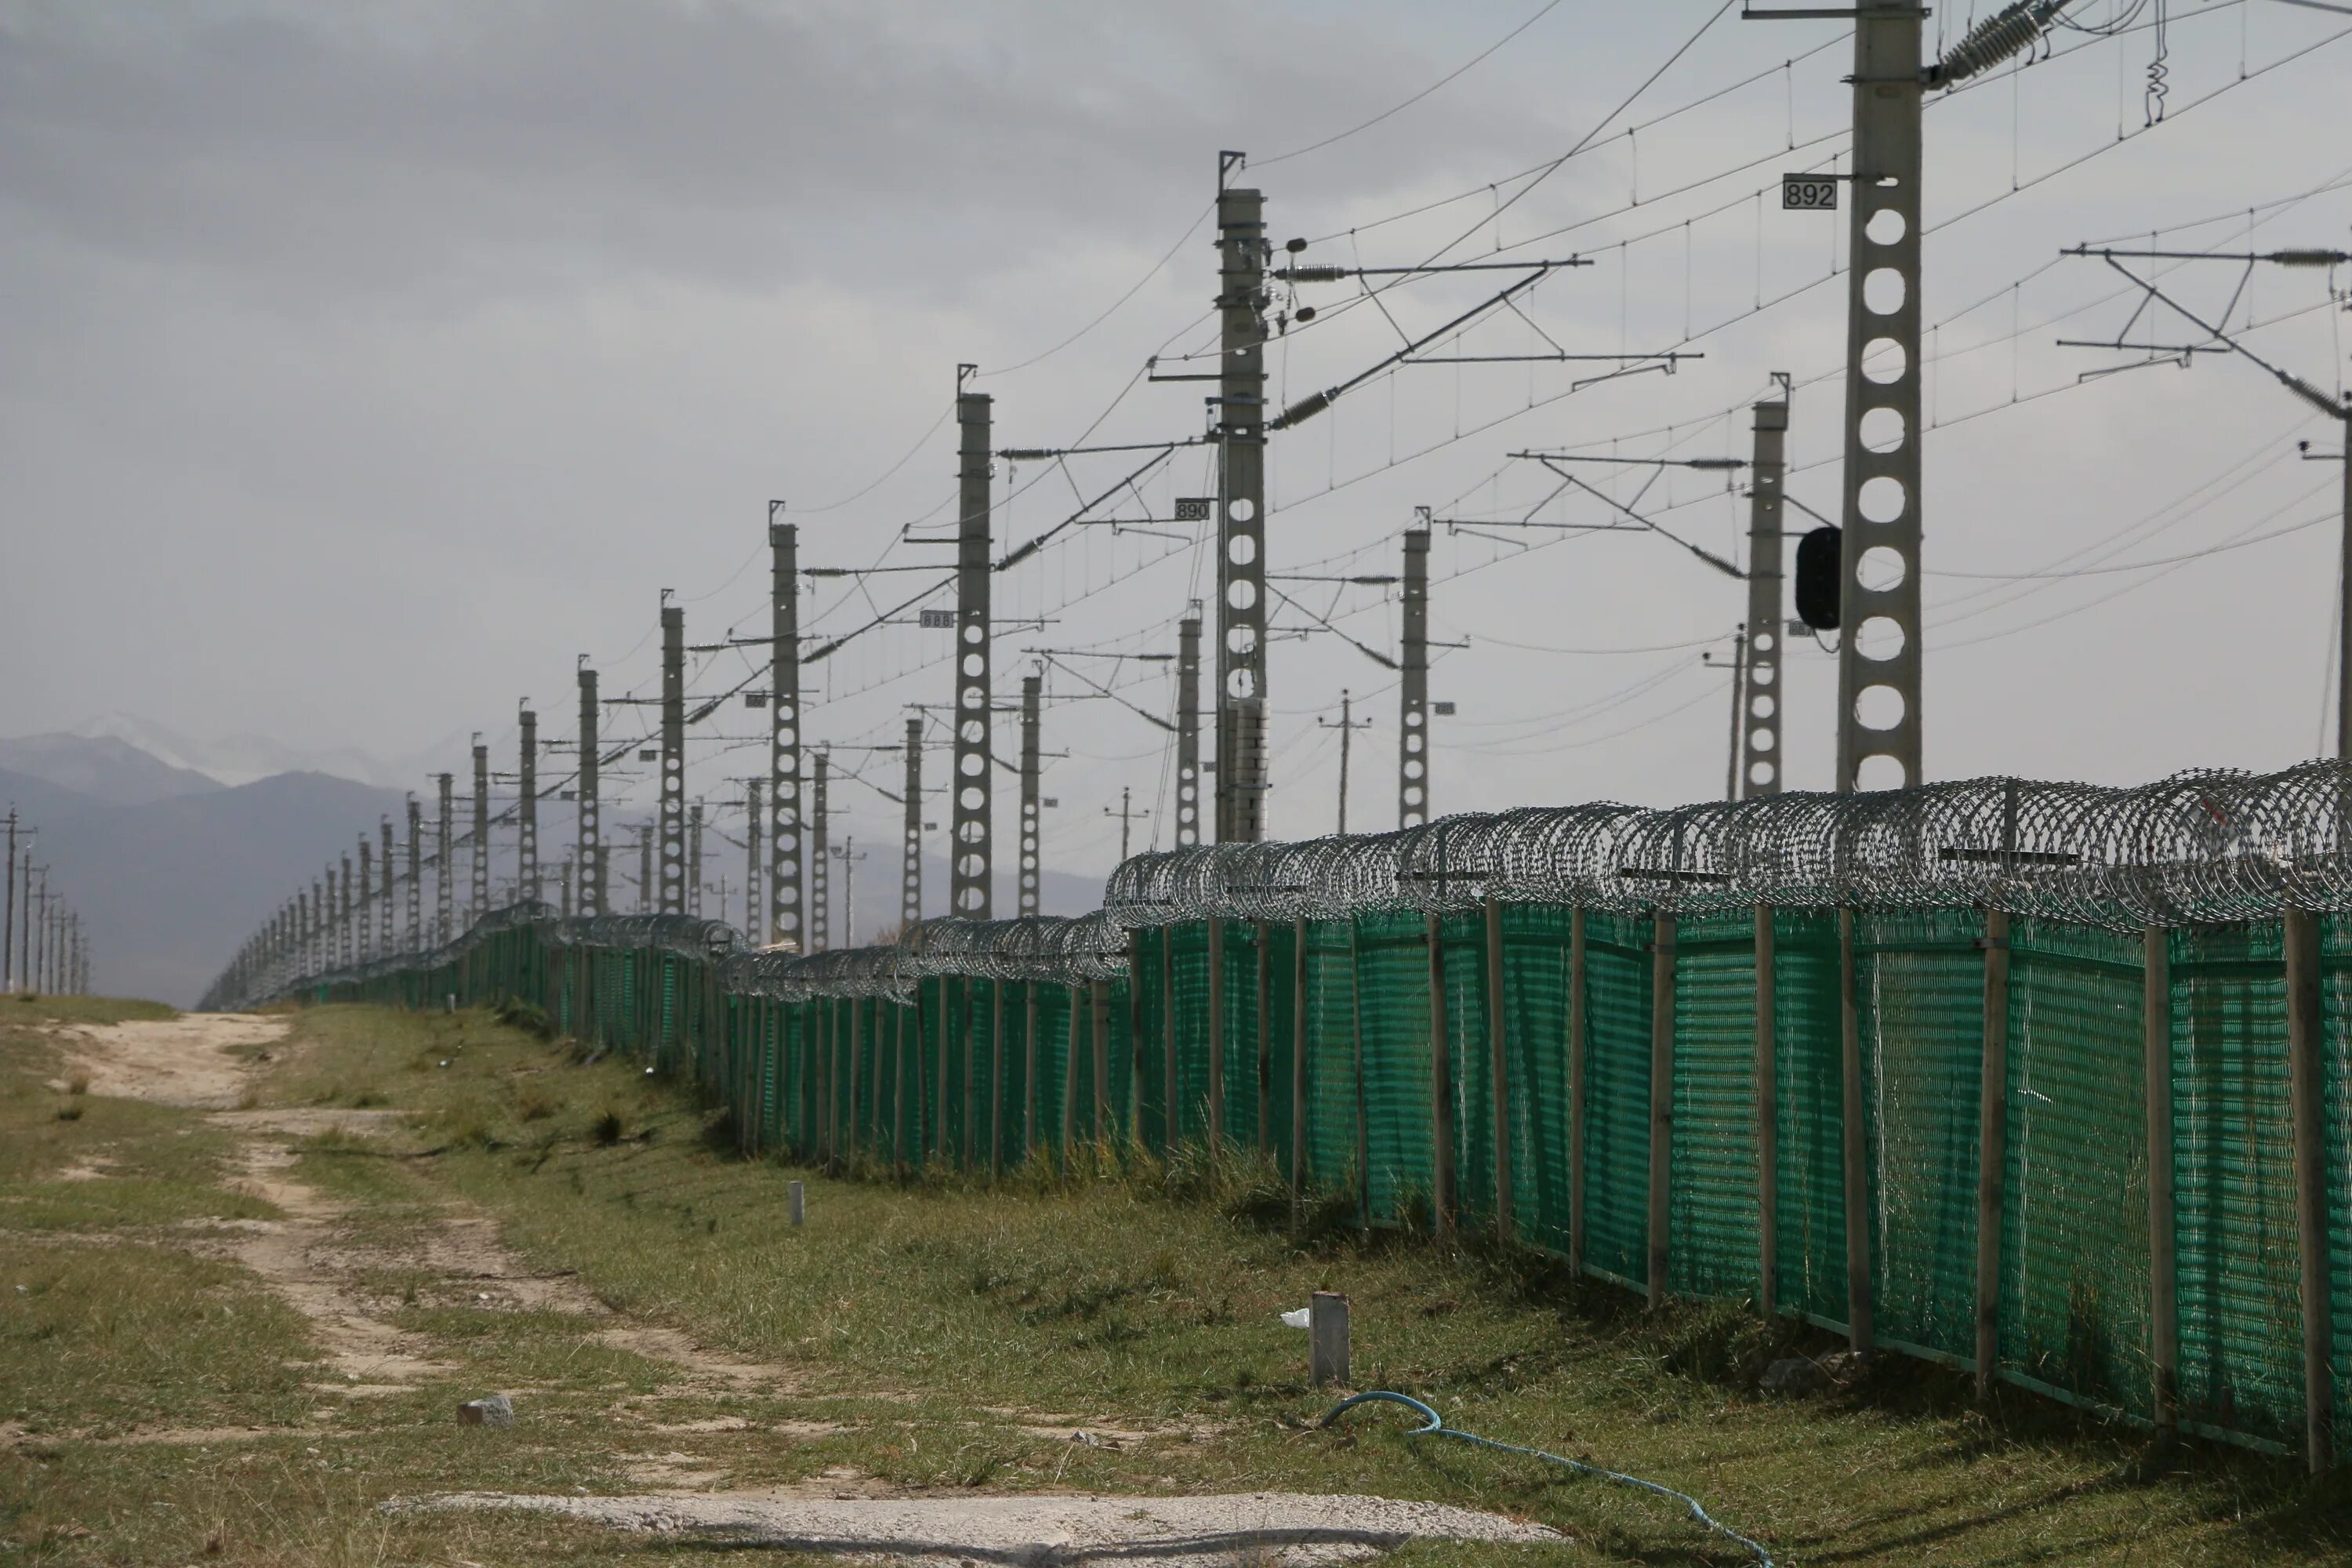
(2201, 847)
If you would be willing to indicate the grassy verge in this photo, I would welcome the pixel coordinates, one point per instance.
(941, 1336)
(988, 1324)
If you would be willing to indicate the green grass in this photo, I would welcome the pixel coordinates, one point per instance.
(948, 1336)
(1113, 1306)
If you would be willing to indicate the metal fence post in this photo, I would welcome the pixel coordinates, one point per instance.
(1576, 1090)
(1767, 1116)
(1859, 1332)
(1498, 1071)
(1662, 1102)
(1216, 1041)
(1441, 1084)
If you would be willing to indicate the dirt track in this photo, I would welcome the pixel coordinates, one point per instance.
(188, 1060)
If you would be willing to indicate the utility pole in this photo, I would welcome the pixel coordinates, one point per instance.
(343, 921)
(787, 907)
(694, 859)
(25, 926)
(527, 810)
(672, 758)
(820, 871)
(367, 887)
(1757, 715)
(848, 855)
(442, 890)
(416, 875)
(384, 894)
(1240, 428)
(1412, 714)
(8, 922)
(481, 885)
(910, 864)
(1126, 815)
(1187, 731)
(1032, 825)
(589, 837)
(563, 889)
(1347, 726)
(972, 873)
(751, 823)
(36, 907)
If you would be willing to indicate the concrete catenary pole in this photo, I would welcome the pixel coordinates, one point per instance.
(444, 893)
(1033, 835)
(673, 759)
(366, 934)
(910, 849)
(480, 900)
(1187, 731)
(384, 888)
(588, 837)
(1241, 494)
(1412, 687)
(647, 894)
(527, 808)
(1760, 753)
(820, 871)
(972, 871)
(416, 875)
(694, 858)
(1879, 646)
(787, 895)
(752, 822)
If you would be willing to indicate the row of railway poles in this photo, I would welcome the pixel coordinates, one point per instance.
(43, 947)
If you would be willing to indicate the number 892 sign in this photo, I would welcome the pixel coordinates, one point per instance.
(1809, 193)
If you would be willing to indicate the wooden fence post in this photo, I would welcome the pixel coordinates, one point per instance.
(1070, 1078)
(996, 1079)
(2306, 1091)
(1265, 1039)
(1767, 1116)
(1576, 1090)
(1498, 1071)
(1662, 1102)
(1299, 1005)
(1216, 1041)
(968, 1147)
(1992, 1144)
(1029, 1075)
(1363, 1128)
(1099, 1022)
(1170, 1118)
(856, 1051)
(1853, 1146)
(1441, 1084)
(2163, 1267)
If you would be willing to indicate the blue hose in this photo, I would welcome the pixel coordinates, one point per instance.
(1437, 1426)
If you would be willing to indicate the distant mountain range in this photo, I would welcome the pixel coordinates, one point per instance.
(243, 759)
(171, 866)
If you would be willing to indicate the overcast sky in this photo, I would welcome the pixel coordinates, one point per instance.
(366, 363)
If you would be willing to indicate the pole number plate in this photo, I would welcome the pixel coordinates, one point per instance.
(939, 620)
(1193, 509)
(1808, 193)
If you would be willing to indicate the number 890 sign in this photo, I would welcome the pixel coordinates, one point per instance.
(1808, 193)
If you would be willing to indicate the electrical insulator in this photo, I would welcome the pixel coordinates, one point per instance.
(1820, 565)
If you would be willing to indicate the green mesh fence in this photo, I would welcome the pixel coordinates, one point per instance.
(1393, 983)
(1713, 1245)
(2240, 1284)
(1808, 1173)
(1616, 1175)
(2074, 1215)
(1919, 998)
(1327, 1064)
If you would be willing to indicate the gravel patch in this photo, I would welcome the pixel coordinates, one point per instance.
(1062, 1531)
